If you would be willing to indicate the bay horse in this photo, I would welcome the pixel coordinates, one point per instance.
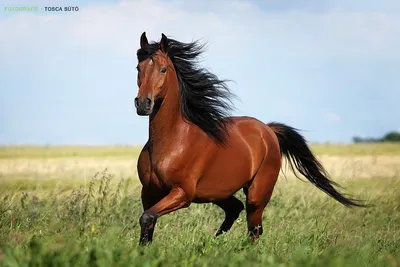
(197, 153)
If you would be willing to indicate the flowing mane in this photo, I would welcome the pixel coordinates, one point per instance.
(205, 99)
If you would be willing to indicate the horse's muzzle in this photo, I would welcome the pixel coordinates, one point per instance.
(143, 106)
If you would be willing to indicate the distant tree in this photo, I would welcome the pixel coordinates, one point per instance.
(389, 137)
(357, 139)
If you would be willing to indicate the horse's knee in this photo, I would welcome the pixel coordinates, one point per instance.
(147, 220)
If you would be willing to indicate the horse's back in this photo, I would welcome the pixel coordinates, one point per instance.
(250, 127)
(252, 130)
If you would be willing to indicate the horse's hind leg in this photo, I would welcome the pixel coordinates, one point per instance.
(232, 207)
(258, 195)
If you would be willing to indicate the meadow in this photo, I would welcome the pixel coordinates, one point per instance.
(80, 206)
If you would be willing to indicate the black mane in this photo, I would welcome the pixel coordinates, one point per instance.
(205, 99)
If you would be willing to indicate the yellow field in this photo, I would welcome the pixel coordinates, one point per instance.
(67, 165)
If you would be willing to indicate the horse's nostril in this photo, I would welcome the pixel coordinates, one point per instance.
(137, 102)
(148, 102)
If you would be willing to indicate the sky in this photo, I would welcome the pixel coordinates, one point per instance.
(329, 68)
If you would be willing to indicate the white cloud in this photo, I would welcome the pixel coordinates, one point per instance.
(241, 26)
(333, 117)
(243, 5)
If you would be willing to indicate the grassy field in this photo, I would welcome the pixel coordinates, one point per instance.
(80, 206)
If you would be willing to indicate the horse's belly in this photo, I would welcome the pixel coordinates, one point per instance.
(221, 183)
(228, 173)
(234, 166)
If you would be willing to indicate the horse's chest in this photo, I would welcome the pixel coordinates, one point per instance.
(166, 171)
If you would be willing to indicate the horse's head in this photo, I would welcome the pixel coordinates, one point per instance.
(153, 67)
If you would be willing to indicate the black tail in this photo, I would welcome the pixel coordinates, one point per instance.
(294, 147)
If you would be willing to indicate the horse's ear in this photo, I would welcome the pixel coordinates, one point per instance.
(143, 40)
(164, 43)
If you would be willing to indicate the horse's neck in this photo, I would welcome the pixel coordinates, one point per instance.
(165, 125)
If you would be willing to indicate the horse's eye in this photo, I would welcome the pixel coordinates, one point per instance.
(163, 69)
(138, 68)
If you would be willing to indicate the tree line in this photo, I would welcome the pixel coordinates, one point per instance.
(393, 136)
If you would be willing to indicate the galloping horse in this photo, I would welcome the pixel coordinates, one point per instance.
(197, 153)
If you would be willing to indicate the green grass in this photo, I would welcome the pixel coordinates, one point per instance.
(54, 221)
(97, 225)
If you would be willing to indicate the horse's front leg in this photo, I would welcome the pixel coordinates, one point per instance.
(176, 199)
(150, 197)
